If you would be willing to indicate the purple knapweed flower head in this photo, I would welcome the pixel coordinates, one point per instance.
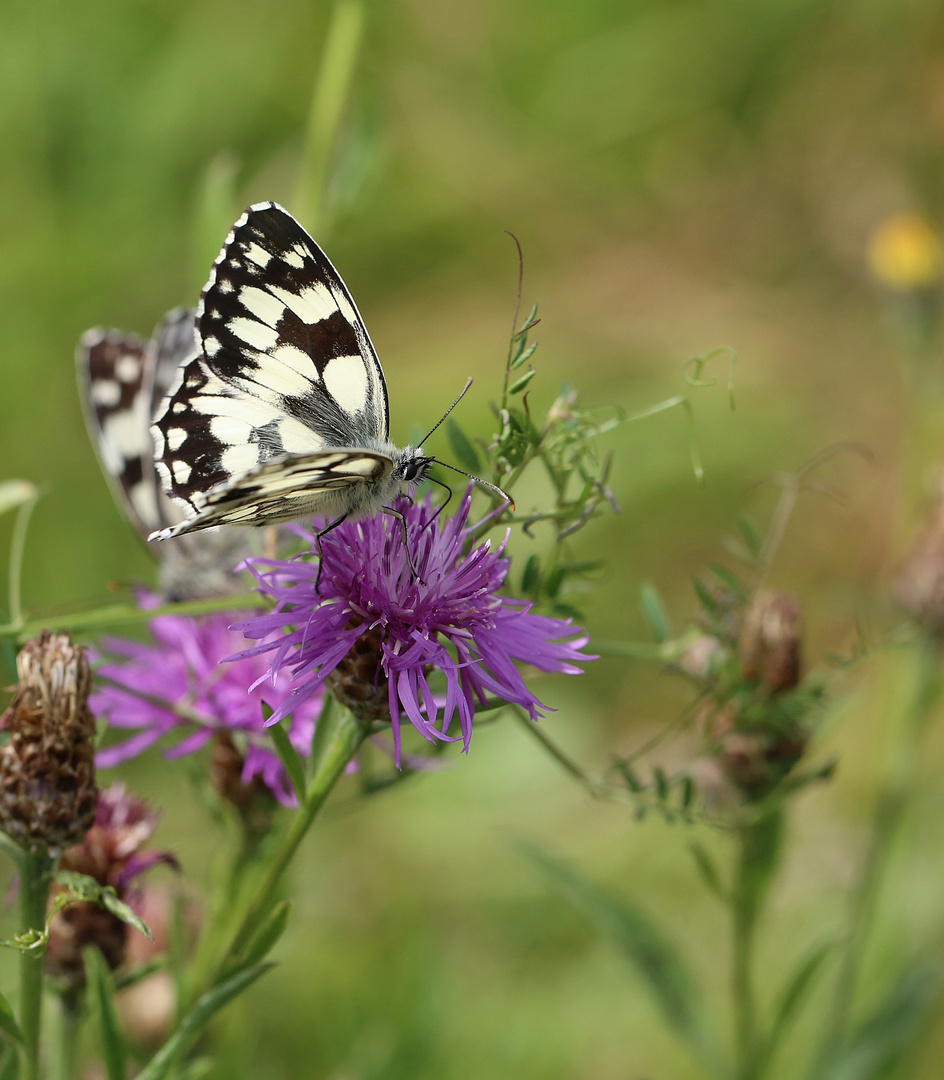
(375, 632)
(176, 685)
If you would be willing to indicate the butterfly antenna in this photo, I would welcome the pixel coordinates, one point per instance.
(451, 407)
(485, 483)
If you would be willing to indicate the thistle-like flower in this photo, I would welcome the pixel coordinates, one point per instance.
(48, 793)
(375, 632)
(111, 854)
(176, 686)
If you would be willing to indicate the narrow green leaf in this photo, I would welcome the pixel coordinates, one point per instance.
(9, 1063)
(656, 960)
(123, 911)
(8, 1025)
(708, 870)
(750, 535)
(15, 493)
(654, 611)
(688, 792)
(139, 974)
(290, 758)
(523, 355)
(519, 384)
(268, 935)
(554, 581)
(728, 578)
(465, 452)
(705, 597)
(661, 782)
(100, 983)
(883, 1039)
(530, 321)
(531, 575)
(795, 993)
(194, 1022)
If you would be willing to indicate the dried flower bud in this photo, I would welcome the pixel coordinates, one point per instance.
(253, 801)
(48, 793)
(753, 760)
(919, 585)
(111, 854)
(770, 641)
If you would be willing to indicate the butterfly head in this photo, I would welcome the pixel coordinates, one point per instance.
(411, 466)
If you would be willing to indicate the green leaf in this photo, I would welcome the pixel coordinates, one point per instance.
(16, 493)
(654, 611)
(83, 887)
(194, 1022)
(729, 579)
(794, 993)
(708, 870)
(705, 597)
(655, 959)
(132, 978)
(661, 782)
(100, 983)
(523, 355)
(268, 934)
(750, 535)
(519, 384)
(883, 1039)
(688, 792)
(530, 321)
(465, 452)
(8, 1025)
(10, 1063)
(290, 757)
(531, 574)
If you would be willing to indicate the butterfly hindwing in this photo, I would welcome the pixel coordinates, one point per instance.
(112, 370)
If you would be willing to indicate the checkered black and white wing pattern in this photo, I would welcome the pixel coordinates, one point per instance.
(113, 371)
(285, 412)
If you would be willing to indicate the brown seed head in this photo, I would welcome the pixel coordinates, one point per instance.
(48, 793)
(770, 641)
(919, 585)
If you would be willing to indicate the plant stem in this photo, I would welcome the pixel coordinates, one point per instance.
(758, 854)
(744, 916)
(339, 746)
(35, 880)
(890, 809)
(70, 1026)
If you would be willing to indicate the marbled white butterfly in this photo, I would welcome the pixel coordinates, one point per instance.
(284, 413)
(122, 378)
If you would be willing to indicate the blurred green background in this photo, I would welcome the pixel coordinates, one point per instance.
(681, 175)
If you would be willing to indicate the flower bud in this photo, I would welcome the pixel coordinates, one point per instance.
(770, 641)
(48, 793)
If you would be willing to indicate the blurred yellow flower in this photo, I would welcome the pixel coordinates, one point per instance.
(905, 252)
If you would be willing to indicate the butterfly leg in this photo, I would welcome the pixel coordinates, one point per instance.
(318, 538)
(409, 558)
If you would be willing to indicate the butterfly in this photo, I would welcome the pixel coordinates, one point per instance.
(283, 414)
(122, 378)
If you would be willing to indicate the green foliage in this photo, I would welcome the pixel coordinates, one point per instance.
(102, 988)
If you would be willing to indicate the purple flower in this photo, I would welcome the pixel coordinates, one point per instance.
(176, 685)
(375, 631)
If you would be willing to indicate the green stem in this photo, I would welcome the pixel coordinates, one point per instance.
(744, 913)
(35, 880)
(758, 854)
(339, 744)
(327, 105)
(890, 809)
(70, 1026)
